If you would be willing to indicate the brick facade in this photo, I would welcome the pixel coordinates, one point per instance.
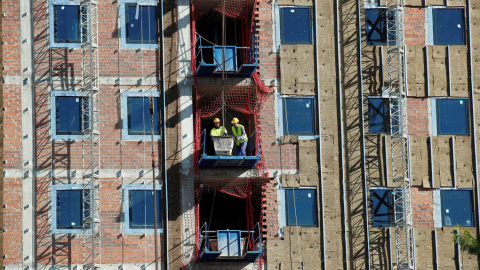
(422, 207)
(414, 19)
(417, 113)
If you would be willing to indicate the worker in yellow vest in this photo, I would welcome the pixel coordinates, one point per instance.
(218, 130)
(240, 137)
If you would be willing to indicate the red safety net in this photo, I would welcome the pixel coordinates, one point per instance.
(246, 96)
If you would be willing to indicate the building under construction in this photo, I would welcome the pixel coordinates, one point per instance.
(359, 116)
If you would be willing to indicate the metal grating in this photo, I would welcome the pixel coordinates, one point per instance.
(399, 136)
(90, 135)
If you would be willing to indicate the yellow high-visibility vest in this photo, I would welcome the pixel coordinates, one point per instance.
(239, 137)
(217, 131)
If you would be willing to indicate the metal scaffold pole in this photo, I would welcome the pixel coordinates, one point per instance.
(90, 135)
(399, 136)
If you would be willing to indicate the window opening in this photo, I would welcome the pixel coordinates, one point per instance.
(296, 25)
(457, 208)
(141, 209)
(139, 116)
(452, 116)
(141, 24)
(448, 26)
(301, 207)
(66, 23)
(298, 115)
(69, 209)
(68, 115)
(378, 115)
(381, 201)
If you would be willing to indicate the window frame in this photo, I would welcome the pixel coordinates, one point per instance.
(284, 207)
(431, 26)
(386, 132)
(123, 31)
(63, 187)
(53, 114)
(435, 120)
(279, 28)
(281, 122)
(51, 19)
(372, 211)
(125, 135)
(126, 207)
(442, 206)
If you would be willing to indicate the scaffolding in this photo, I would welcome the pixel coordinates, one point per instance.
(90, 135)
(399, 136)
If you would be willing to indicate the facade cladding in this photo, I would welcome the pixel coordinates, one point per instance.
(306, 79)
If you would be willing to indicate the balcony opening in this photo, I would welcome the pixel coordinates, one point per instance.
(240, 52)
(227, 229)
(221, 151)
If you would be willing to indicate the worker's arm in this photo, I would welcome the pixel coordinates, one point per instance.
(225, 133)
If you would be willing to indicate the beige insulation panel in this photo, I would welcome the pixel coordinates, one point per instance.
(411, 70)
(294, 2)
(308, 159)
(463, 160)
(372, 70)
(444, 161)
(458, 3)
(438, 70)
(436, 2)
(375, 160)
(445, 248)
(434, 162)
(459, 70)
(413, 2)
(297, 68)
(416, 71)
(419, 162)
(379, 247)
(424, 248)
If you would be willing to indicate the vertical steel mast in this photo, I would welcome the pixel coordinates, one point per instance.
(90, 135)
(399, 135)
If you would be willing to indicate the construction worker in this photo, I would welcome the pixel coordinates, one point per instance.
(218, 130)
(240, 137)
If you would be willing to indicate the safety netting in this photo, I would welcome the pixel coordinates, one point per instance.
(246, 96)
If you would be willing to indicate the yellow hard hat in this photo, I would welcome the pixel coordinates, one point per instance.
(216, 120)
(235, 120)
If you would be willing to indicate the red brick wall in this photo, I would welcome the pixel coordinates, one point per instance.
(116, 247)
(414, 26)
(270, 209)
(12, 217)
(12, 126)
(422, 206)
(417, 113)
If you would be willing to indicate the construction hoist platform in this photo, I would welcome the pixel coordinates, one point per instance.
(399, 136)
(90, 135)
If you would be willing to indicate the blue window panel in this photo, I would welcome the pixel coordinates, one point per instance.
(66, 23)
(295, 25)
(378, 115)
(457, 208)
(230, 58)
(69, 209)
(448, 26)
(139, 122)
(376, 27)
(382, 207)
(141, 209)
(141, 24)
(452, 117)
(301, 207)
(299, 116)
(68, 115)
